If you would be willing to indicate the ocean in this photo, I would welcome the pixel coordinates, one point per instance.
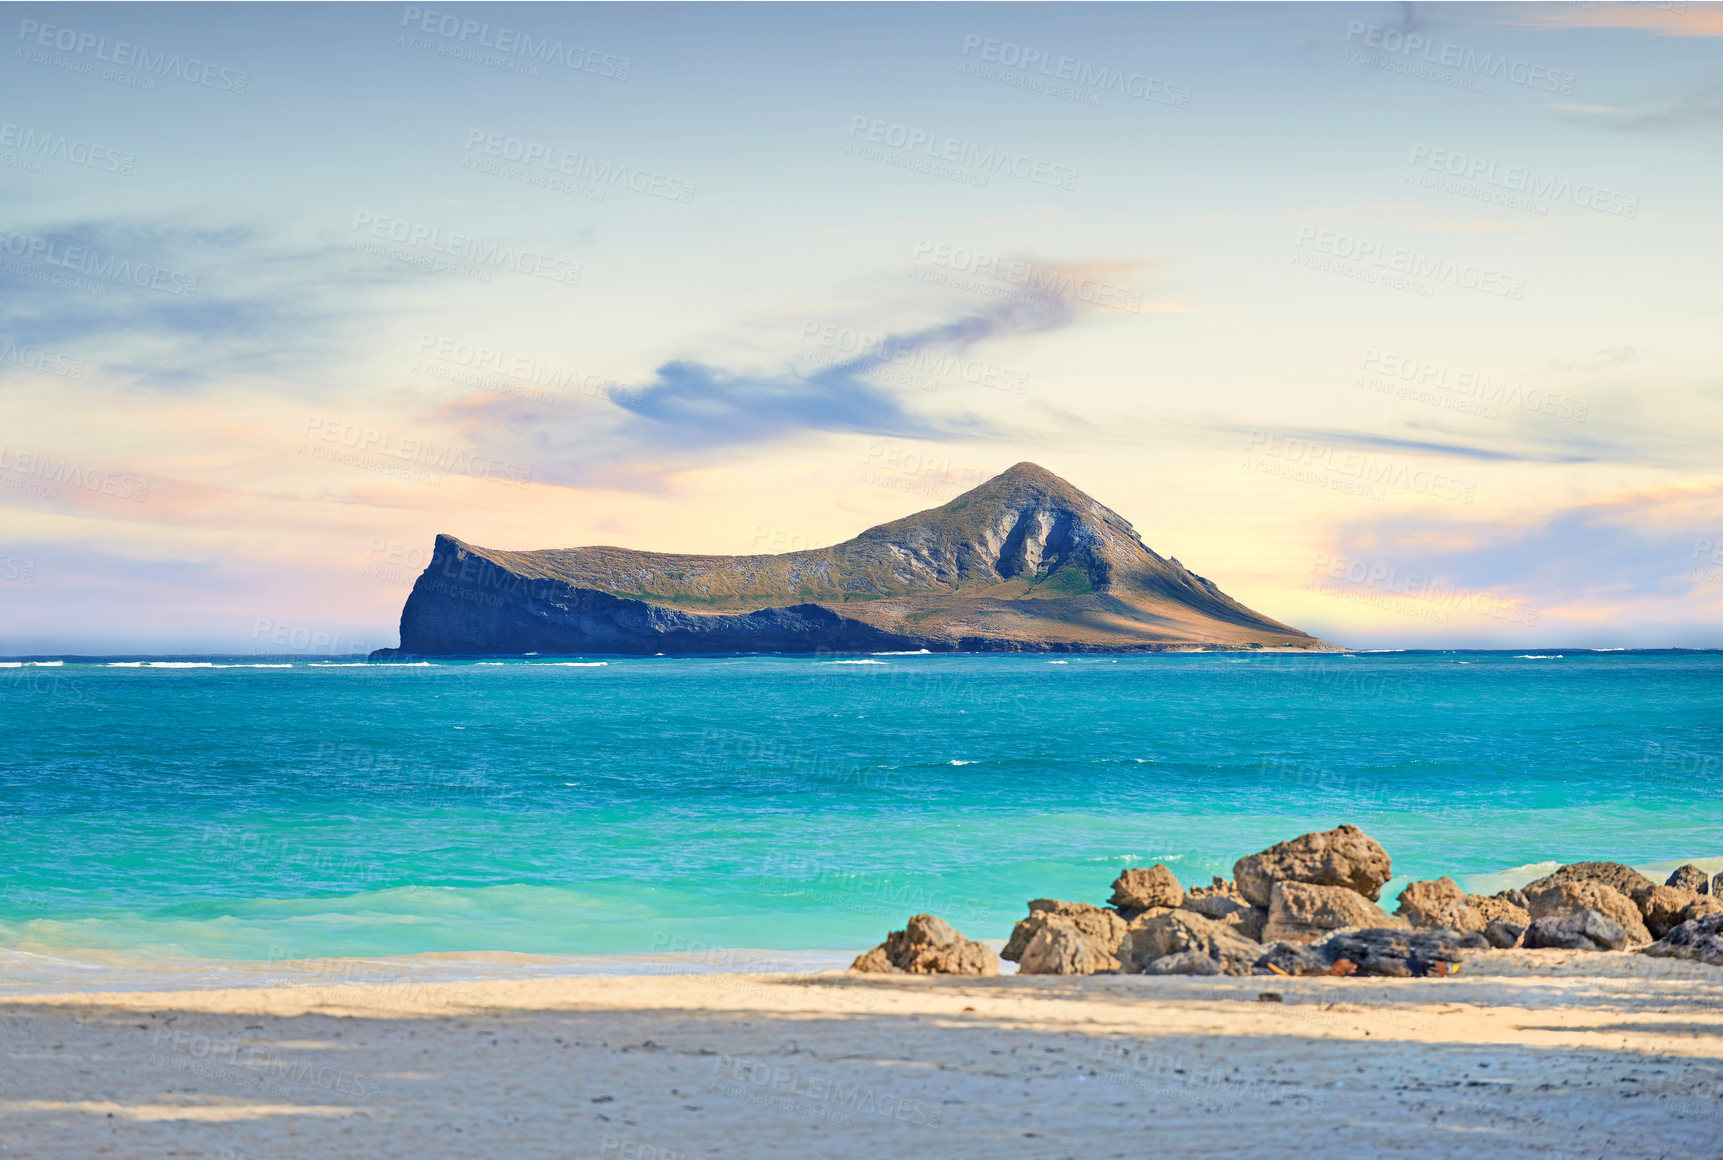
(206, 819)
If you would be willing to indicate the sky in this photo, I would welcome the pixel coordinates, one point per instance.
(1398, 322)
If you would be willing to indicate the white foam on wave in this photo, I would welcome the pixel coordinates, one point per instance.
(1509, 879)
(370, 665)
(914, 652)
(164, 665)
(850, 662)
(45, 664)
(570, 664)
(11, 664)
(954, 761)
(1539, 657)
(1058, 662)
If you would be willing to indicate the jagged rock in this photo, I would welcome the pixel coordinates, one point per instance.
(1662, 908)
(1702, 907)
(1104, 926)
(1553, 897)
(1624, 880)
(1699, 940)
(1292, 959)
(1059, 948)
(1717, 885)
(1298, 912)
(1345, 856)
(1501, 908)
(1229, 907)
(1503, 934)
(1439, 903)
(875, 962)
(1182, 963)
(1578, 930)
(1141, 889)
(928, 946)
(1175, 932)
(1398, 952)
(1690, 877)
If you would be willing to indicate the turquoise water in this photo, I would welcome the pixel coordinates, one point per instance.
(249, 813)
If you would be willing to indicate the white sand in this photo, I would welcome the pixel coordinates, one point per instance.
(1519, 1056)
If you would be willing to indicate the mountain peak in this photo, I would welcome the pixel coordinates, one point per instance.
(1024, 560)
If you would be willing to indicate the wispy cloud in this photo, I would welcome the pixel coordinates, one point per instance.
(174, 306)
(1640, 544)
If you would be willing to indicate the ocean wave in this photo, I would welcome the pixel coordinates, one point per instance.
(1058, 662)
(914, 652)
(161, 664)
(1539, 657)
(849, 662)
(955, 761)
(569, 664)
(1510, 879)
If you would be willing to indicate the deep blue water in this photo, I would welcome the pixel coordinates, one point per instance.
(796, 802)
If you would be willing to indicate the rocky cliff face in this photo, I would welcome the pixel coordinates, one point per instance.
(1023, 562)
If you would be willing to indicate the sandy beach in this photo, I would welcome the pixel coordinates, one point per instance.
(1525, 1053)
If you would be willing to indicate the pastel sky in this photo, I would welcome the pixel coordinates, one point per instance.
(1400, 323)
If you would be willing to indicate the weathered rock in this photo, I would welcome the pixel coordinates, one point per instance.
(1690, 877)
(1717, 885)
(1503, 934)
(875, 962)
(1183, 963)
(1345, 856)
(1512, 897)
(1625, 880)
(1228, 907)
(1292, 959)
(1298, 912)
(1440, 903)
(1140, 889)
(1663, 908)
(1400, 953)
(1702, 907)
(928, 946)
(1104, 926)
(1059, 948)
(1578, 930)
(1501, 908)
(1699, 940)
(1177, 931)
(1553, 897)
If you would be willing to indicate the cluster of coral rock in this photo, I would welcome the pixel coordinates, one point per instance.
(1309, 906)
